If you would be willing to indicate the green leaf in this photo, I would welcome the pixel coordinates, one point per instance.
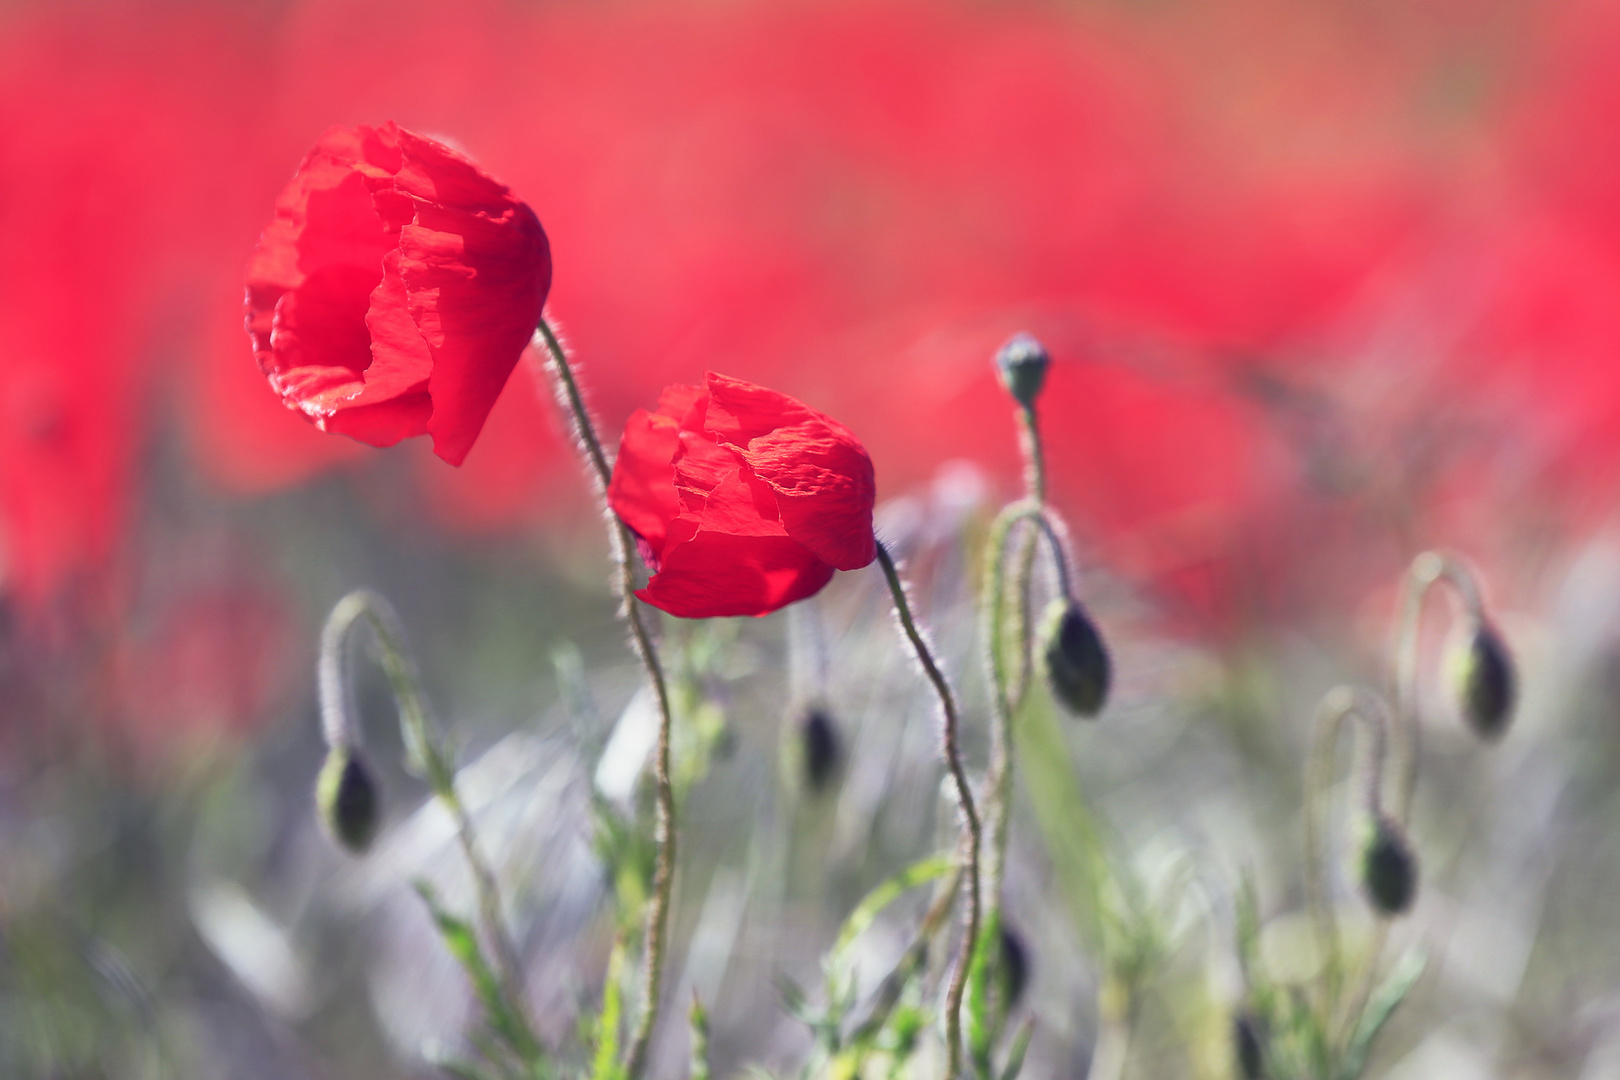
(980, 1027)
(1015, 1056)
(464, 1070)
(606, 1065)
(502, 1015)
(698, 1019)
(918, 873)
(1383, 1003)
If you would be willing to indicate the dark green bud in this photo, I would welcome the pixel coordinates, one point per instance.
(1389, 868)
(1248, 1046)
(1014, 967)
(346, 799)
(1077, 664)
(1022, 364)
(823, 750)
(1487, 685)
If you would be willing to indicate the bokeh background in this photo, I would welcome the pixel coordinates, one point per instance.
(1325, 283)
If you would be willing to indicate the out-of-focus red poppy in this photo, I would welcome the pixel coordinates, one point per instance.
(213, 664)
(395, 289)
(744, 499)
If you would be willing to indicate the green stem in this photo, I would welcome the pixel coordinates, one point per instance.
(1428, 569)
(964, 797)
(422, 751)
(1338, 706)
(1004, 705)
(1007, 691)
(622, 543)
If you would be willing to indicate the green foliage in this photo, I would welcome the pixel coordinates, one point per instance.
(1380, 1007)
(508, 1044)
(697, 1019)
(608, 1028)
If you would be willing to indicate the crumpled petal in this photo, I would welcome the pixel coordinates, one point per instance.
(395, 289)
(642, 489)
(716, 574)
(819, 471)
(746, 503)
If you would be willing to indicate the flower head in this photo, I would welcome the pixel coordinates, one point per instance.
(744, 499)
(395, 289)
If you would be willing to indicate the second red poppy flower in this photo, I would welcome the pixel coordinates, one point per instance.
(743, 498)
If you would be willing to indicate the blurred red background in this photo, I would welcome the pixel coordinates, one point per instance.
(1324, 282)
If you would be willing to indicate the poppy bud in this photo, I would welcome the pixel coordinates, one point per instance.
(1486, 682)
(1247, 1045)
(1022, 364)
(346, 799)
(1077, 664)
(823, 751)
(1014, 967)
(1389, 869)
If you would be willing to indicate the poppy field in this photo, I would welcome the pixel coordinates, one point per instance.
(852, 540)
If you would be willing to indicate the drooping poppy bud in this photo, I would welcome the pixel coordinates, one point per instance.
(346, 799)
(822, 749)
(1248, 1045)
(1388, 867)
(1014, 967)
(743, 499)
(1077, 663)
(1486, 683)
(1022, 364)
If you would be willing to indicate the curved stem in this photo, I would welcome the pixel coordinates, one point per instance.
(1426, 570)
(1007, 694)
(1004, 701)
(621, 543)
(1338, 706)
(423, 754)
(964, 798)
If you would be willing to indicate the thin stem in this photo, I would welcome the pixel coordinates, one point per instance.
(1338, 706)
(621, 543)
(1005, 699)
(1029, 444)
(911, 962)
(423, 754)
(964, 798)
(1426, 570)
(1029, 441)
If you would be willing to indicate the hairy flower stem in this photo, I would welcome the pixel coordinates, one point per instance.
(971, 833)
(1427, 570)
(621, 544)
(1342, 704)
(1007, 690)
(422, 752)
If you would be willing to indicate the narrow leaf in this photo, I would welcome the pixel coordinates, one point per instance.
(918, 873)
(606, 1064)
(462, 941)
(1015, 1055)
(1383, 1003)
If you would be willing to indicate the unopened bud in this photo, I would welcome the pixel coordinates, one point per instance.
(1014, 967)
(346, 798)
(1389, 868)
(823, 751)
(1022, 364)
(1486, 683)
(1077, 664)
(1248, 1045)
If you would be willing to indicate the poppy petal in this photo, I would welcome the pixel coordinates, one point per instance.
(715, 574)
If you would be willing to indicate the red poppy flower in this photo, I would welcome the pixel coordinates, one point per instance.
(743, 498)
(395, 289)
